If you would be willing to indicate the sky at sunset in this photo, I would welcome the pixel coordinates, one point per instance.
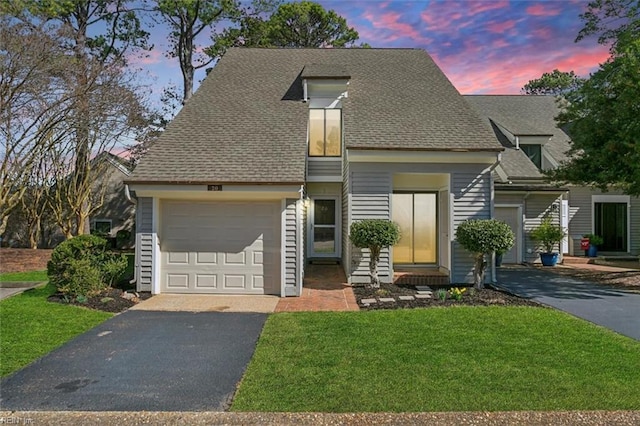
(483, 46)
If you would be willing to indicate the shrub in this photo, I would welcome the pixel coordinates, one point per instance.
(548, 234)
(123, 237)
(482, 237)
(83, 265)
(374, 234)
(594, 240)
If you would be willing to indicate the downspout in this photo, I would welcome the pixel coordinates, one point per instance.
(494, 278)
(517, 142)
(133, 201)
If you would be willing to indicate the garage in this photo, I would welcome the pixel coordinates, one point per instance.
(222, 247)
(511, 216)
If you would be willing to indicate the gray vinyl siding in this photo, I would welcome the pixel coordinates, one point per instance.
(324, 169)
(144, 243)
(537, 207)
(579, 216)
(634, 243)
(370, 193)
(290, 248)
(346, 221)
(471, 191)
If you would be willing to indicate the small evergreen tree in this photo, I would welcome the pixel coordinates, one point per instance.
(374, 234)
(482, 237)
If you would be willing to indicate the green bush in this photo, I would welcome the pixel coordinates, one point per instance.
(548, 234)
(594, 240)
(123, 237)
(374, 234)
(482, 237)
(84, 265)
(80, 278)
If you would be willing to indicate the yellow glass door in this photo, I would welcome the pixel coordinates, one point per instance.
(415, 213)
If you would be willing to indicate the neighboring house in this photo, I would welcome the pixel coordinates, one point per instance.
(281, 150)
(116, 212)
(526, 127)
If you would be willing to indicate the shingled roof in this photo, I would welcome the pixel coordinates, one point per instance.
(522, 115)
(247, 122)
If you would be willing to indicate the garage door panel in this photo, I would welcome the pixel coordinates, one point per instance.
(225, 247)
(204, 281)
(206, 258)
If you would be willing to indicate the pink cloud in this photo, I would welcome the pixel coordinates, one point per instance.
(391, 21)
(542, 10)
(505, 72)
(476, 7)
(500, 27)
(155, 56)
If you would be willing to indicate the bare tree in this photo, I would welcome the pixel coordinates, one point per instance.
(32, 103)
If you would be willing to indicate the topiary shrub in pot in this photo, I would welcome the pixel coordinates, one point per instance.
(84, 266)
(482, 237)
(374, 234)
(549, 235)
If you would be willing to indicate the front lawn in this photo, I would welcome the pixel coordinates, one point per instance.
(24, 276)
(453, 359)
(31, 327)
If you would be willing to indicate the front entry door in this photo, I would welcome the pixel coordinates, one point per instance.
(324, 235)
(416, 215)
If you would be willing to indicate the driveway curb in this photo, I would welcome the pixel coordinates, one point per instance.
(73, 418)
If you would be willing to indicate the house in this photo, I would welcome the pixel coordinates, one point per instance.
(281, 150)
(525, 126)
(115, 213)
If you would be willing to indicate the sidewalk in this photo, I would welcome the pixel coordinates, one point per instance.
(74, 418)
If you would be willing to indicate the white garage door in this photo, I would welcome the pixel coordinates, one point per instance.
(510, 216)
(220, 247)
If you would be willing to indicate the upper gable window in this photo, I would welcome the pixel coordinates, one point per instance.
(534, 152)
(325, 132)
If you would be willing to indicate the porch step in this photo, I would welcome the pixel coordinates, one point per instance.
(420, 280)
(575, 260)
(619, 258)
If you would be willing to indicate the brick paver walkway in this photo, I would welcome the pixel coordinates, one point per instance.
(325, 288)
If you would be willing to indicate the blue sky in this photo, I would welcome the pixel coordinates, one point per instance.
(483, 46)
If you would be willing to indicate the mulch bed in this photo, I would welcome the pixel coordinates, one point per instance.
(110, 300)
(471, 297)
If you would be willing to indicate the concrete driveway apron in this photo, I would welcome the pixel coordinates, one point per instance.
(615, 309)
(141, 360)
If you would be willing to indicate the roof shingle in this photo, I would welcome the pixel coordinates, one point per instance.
(247, 124)
(522, 115)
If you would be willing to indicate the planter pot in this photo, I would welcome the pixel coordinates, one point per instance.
(549, 259)
(593, 251)
(498, 260)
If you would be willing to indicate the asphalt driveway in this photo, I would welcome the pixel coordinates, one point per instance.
(141, 360)
(615, 309)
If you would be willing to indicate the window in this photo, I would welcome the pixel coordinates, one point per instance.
(325, 132)
(534, 152)
(102, 226)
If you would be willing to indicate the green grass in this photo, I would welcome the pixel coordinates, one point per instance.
(455, 359)
(31, 327)
(24, 276)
